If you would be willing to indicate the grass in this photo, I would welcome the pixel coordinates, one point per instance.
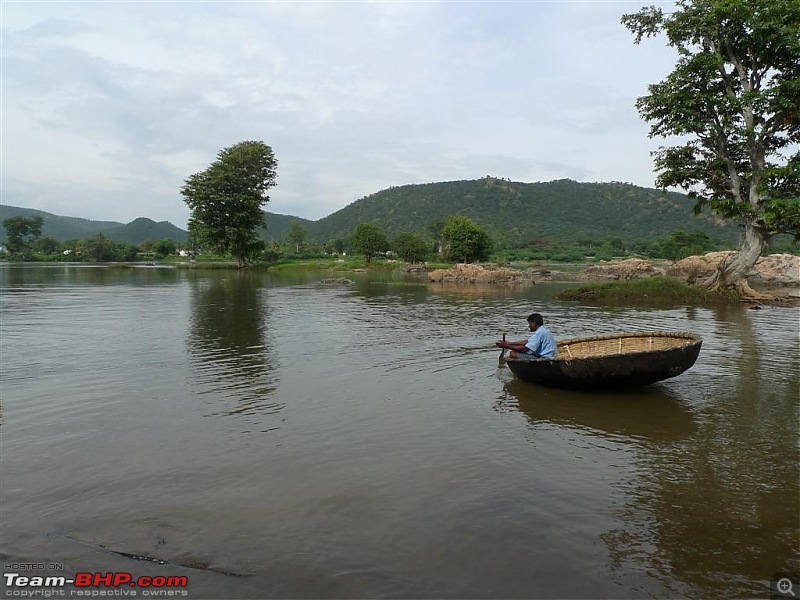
(656, 290)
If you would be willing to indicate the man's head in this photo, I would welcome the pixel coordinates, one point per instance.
(535, 321)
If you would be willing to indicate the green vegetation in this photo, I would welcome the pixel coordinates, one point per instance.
(22, 233)
(733, 101)
(296, 236)
(227, 197)
(369, 240)
(63, 229)
(656, 290)
(464, 241)
(516, 214)
(411, 247)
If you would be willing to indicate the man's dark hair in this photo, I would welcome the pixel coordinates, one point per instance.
(536, 318)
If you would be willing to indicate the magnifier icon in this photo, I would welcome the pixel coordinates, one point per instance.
(784, 586)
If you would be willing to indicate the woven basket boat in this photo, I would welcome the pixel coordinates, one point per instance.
(612, 361)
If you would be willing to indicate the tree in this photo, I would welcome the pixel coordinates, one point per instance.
(369, 239)
(164, 247)
(435, 228)
(464, 240)
(98, 247)
(47, 245)
(733, 100)
(22, 232)
(411, 247)
(227, 197)
(296, 236)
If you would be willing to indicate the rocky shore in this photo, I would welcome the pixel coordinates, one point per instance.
(773, 272)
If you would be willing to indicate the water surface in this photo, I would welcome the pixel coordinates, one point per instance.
(271, 436)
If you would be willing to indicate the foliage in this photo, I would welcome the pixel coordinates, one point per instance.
(63, 229)
(463, 240)
(164, 247)
(296, 236)
(411, 247)
(227, 197)
(656, 290)
(369, 239)
(22, 233)
(98, 247)
(733, 100)
(47, 245)
(435, 228)
(515, 214)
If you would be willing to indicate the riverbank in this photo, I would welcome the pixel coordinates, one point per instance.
(776, 274)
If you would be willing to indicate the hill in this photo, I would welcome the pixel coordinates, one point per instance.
(514, 213)
(137, 231)
(520, 213)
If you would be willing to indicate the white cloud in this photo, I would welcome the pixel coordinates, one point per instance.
(108, 107)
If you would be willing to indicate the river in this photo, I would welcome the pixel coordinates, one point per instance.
(271, 436)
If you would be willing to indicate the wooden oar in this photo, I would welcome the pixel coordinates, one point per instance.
(503, 350)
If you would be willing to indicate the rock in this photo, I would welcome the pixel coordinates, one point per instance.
(778, 269)
(696, 268)
(772, 270)
(336, 281)
(466, 273)
(631, 268)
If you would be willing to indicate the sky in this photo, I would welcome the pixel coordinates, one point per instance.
(107, 107)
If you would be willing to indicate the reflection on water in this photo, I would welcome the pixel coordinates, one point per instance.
(273, 437)
(653, 413)
(230, 348)
(721, 475)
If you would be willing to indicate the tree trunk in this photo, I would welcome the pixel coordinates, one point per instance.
(731, 274)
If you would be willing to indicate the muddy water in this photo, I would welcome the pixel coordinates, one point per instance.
(271, 437)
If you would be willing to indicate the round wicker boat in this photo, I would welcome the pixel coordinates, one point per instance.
(612, 361)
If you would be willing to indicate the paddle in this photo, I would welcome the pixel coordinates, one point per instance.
(503, 350)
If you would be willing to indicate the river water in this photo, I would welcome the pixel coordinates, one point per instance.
(271, 436)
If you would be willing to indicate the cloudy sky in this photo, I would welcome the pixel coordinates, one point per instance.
(107, 107)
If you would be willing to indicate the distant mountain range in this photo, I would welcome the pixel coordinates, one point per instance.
(516, 213)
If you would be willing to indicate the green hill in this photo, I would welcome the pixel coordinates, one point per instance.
(57, 227)
(514, 213)
(278, 226)
(520, 213)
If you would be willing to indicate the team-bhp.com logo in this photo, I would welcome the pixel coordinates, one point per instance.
(93, 584)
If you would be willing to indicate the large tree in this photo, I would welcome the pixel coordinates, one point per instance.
(226, 199)
(732, 105)
(369, 239)
(411, 247)
(22, 232)
(466, 241)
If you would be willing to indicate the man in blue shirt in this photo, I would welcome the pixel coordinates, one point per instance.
(541, 343)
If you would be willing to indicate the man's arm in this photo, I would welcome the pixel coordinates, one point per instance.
(516, 346)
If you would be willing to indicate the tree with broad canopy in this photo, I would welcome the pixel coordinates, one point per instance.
(22, 232)
(369, 239)
(464, 240)
(733, 105)
(226, 199)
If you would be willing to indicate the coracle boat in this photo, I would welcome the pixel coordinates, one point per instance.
(618, 360)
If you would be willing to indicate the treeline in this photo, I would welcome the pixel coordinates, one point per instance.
(24, 242)
(455, 239)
